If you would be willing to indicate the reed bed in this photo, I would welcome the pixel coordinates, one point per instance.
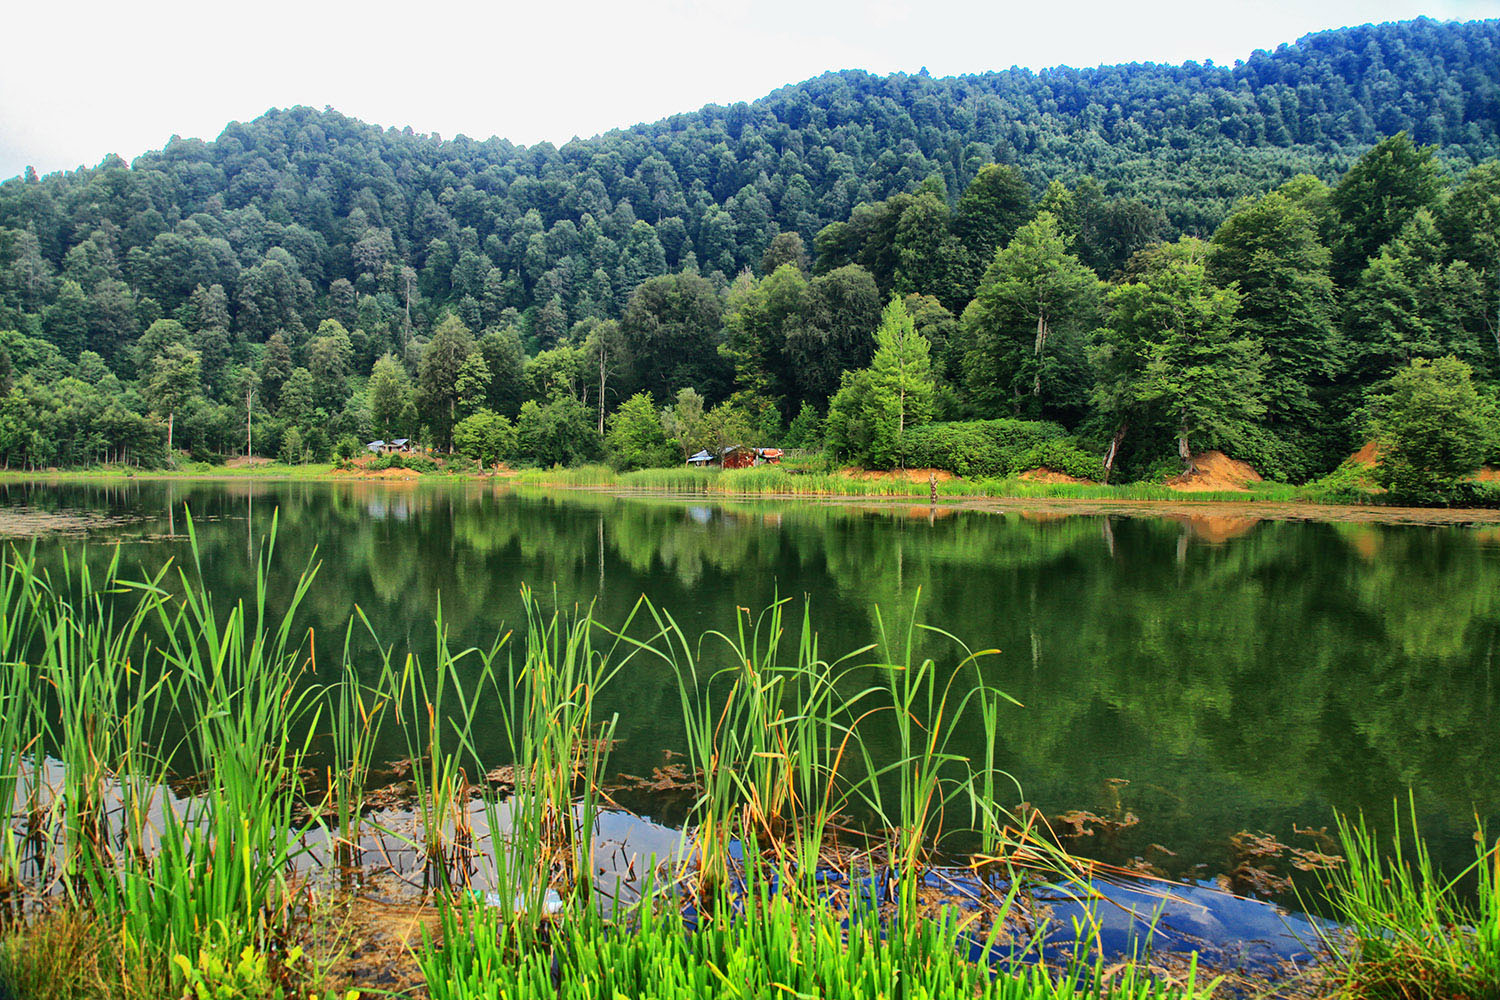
(781, 481)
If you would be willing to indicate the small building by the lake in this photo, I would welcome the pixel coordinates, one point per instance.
(398, 446)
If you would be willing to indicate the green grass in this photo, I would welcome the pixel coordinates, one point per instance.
(772, 947)
(780, 481)
(1411, 930)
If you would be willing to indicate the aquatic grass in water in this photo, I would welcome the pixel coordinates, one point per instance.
(1410, 930)
(771, 946)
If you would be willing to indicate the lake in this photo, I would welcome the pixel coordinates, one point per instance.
(1182, 678)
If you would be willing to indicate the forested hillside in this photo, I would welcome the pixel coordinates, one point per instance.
(314, 273)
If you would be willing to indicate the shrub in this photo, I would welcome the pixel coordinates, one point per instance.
(1063, 455)
(975, 448)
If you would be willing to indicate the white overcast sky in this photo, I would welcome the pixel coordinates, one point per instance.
(88, 78)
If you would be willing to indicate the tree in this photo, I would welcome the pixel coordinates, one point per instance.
(1026, 327)
(900, 383)
(299, 396)
(1376, 198)
(785, 248)
(172, 382)
(996, 204)
(485, 436)
(388, 392)
(437, 378)
(275, 367)
(330, 359)
(558, 433)
(292, 449)
(671, 328)
(506, 360)
(603, 354)
(473, 385)
(683, 421)
(1171, 353)
(636, 439)
(1270, 251)
(1433, 427)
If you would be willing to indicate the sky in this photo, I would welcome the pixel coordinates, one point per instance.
(86, 79)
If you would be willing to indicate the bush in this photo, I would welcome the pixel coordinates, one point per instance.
(347, 448)
(1063, 455)
(417, 463)
(975, 448)
(1434, 429)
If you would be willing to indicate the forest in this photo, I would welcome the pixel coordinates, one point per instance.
(1106, 270)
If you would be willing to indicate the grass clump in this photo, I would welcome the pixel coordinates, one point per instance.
(1411, 932)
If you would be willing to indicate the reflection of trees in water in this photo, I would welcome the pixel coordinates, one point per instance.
(1238, 675)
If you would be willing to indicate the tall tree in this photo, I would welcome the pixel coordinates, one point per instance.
(437, 378)
(1375, 199)
(1270, 251)
(1171, 352)
(1027, 325)
(173, 381)
(901, 386)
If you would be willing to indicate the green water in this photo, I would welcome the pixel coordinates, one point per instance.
(1206, 676)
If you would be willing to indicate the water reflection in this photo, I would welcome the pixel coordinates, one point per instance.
(1233, 673)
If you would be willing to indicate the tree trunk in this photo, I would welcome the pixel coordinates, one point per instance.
(1114, 449)
(170, 415)
(1041, 344)
(1183, 451)
(601, 393)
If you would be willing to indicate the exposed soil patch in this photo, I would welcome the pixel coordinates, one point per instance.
(360, 472)
(910, 475)
(248, 462)
(1369, 455)
(1043, 474)
(1214, 471)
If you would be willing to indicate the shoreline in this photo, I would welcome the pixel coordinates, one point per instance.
(1047, 501)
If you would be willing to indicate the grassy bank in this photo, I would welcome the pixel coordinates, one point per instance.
(191, 790)
(777, 481)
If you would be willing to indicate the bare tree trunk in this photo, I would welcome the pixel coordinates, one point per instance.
(1183, 451)
(601, 391)
(1114, 449)
(170, 415)
(1041, 344)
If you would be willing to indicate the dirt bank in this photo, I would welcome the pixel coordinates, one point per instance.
(1215, 472)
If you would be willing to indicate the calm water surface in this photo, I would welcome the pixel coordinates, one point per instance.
(1205, 675)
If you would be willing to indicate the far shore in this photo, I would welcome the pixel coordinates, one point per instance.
(1039, 500)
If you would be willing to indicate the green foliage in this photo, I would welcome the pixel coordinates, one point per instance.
(1065, 456)
(977, 449)
(636, 439)
(293, 450)
(562, 432)
(486, 437)
(1171, 354)
(1025, 330)
(1434, 429)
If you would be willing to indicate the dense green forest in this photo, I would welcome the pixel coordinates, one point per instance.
(1155, 259)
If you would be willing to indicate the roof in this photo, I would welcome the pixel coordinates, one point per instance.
(702, 456)
(375, 445)
(398, 442)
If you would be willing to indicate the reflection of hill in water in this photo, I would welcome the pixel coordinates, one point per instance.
(1237, 674)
